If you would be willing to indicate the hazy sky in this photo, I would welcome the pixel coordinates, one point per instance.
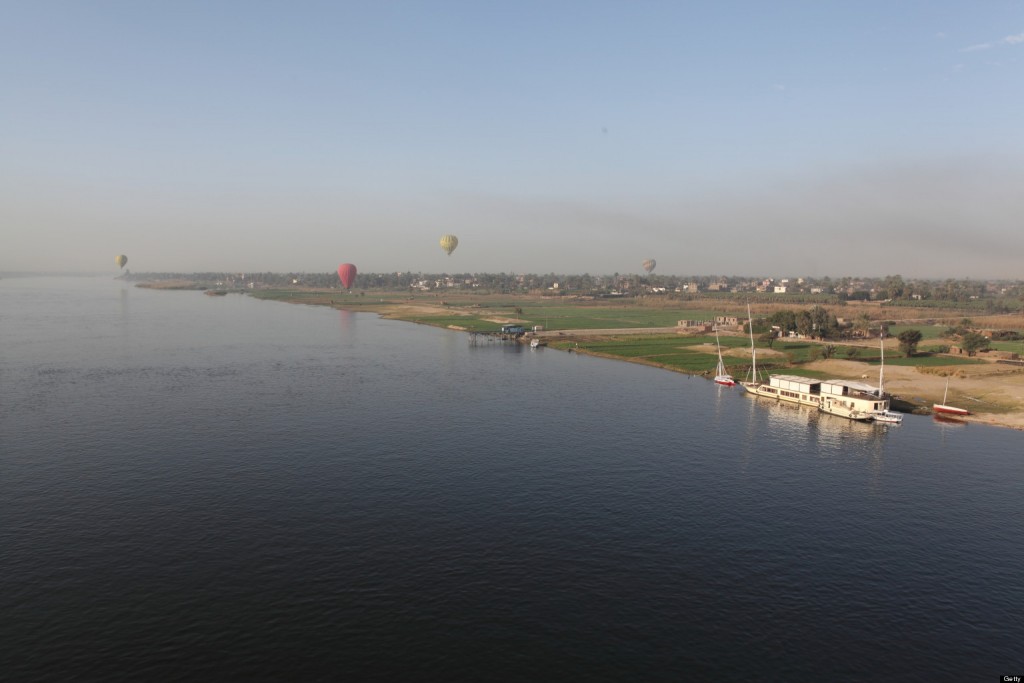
(749, 137)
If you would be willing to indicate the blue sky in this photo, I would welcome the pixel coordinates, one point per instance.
(788, 138)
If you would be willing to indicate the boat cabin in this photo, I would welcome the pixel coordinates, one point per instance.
(855, 395)
(794, 388)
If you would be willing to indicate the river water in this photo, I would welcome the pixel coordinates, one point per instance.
(219, 488)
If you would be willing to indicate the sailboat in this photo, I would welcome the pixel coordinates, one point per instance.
(721, 376)
(885, 415)
(947, 409)
(753, 382)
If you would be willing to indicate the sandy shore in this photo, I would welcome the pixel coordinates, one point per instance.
(993, 392)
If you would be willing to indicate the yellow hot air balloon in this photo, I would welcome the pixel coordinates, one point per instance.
(120, 260)
(448, 243)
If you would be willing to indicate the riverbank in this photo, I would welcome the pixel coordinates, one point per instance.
(994, 393)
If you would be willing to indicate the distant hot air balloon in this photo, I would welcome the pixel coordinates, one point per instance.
(448, 243)
(649, 264)
(120, 260)
(347, 274)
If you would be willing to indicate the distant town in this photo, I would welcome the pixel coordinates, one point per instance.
(997, 296)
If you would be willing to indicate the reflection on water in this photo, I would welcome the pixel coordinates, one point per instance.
(949, 426)
(124, 302)
(719, 398)
(948, 420)
(829, 431)
(346, 320)
(809, 430)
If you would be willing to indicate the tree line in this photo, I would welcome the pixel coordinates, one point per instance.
(893, 290)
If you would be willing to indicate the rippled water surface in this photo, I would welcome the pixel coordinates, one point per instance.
(217, 488)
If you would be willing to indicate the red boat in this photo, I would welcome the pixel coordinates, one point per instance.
(948, 410)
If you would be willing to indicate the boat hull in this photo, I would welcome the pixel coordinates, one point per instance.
(768, 391)
(749, 387)
(844, 411)
(949, 410)
(725, 381)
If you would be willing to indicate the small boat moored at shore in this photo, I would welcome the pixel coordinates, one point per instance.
(752, 382)
(721, 376)
(885, 415)
(948, 409)
(888, 416)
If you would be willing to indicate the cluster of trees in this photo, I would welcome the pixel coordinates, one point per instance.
(969, 339)
(972, 342)
(818, 323)
(815, 323)
(909, 339)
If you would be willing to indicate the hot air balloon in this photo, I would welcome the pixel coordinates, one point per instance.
(347, 274)
(120, 260)
(649, 264)
(448, 243)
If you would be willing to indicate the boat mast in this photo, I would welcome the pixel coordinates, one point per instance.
(881, 367)
(753, 353)
(721, 365)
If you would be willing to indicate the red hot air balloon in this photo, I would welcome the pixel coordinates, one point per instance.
(347, 274)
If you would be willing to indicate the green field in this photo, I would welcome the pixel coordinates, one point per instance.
(690, 354)
(671, 351)
(462, 322)
(927, 331)
(469, 311)
(928, 361)
(555, 318)
(683, 354)
(1011, 346)
(558, 316)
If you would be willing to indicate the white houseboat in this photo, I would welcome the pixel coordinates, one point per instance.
(852, 400)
